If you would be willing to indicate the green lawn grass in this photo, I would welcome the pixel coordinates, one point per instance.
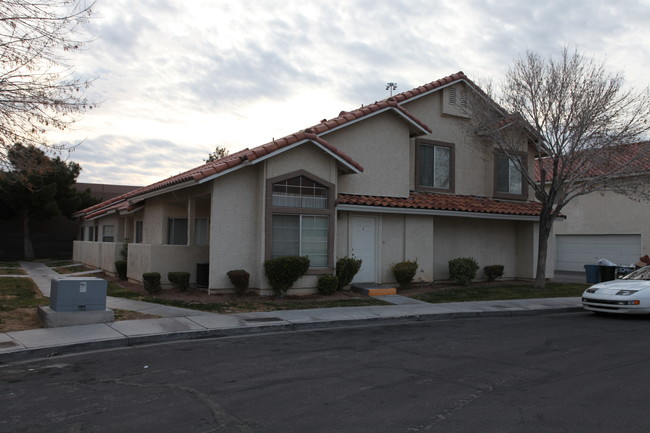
(502, 292)
(11, 271)
(71, 269)
(19, 293)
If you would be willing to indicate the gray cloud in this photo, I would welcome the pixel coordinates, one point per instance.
(165, 63)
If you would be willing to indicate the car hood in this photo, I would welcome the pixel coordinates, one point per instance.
(623, 285)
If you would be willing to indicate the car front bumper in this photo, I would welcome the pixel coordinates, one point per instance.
(611, 305)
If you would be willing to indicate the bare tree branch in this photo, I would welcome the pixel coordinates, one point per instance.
(580, 120)
(38, 89)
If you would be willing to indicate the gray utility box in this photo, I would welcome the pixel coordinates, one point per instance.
(78, 294)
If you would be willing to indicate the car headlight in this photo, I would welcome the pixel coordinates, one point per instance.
(626, 292)
(590, 290)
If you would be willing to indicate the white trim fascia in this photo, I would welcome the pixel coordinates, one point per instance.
(434, 212)
(139, 198)
(110, 212)
(225, 172)
(352, 122)
(129, 212)
(279, 151)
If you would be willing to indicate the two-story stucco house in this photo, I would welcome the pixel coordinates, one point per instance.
(400, 179)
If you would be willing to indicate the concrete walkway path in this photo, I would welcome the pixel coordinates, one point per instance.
(183, 324)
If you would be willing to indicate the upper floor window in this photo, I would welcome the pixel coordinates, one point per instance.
(509, 182)
(435, 168)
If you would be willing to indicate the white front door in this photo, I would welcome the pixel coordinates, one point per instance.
(362, 246)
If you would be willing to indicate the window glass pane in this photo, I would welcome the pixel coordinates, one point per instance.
(300, 192)
(503, 174)
(427, 159)
(201, 231)
(285, 235)
(314, 239)
(108, 234)
(515, 179)
(441, 171)
(138, 231)
(177, 231)
(435, 166)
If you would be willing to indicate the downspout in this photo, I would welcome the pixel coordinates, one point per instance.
(262, 215)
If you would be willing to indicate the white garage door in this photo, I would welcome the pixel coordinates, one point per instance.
(575, 251)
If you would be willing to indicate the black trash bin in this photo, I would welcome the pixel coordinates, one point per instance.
(202, 275)
(607, 273)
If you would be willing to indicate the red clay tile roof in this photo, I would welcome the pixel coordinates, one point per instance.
(214, 167)
(621, 160)
(349, 116)
(268, 148)
(445, 202)
(458, 76)
(209, 169)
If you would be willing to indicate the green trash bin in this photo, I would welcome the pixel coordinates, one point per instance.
(593, 274)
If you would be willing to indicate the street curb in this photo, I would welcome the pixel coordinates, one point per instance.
(284, 326)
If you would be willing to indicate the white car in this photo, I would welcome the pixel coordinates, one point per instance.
(627, 295)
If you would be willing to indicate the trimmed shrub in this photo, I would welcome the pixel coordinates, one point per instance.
(282, 272)
(239, 278)
(328, 284)
(493, 272)
(151, 282)
(346, 269)
(404, 273)
(120, 268)
(462, 270)
(180, 280)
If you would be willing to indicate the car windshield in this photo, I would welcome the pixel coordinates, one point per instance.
(639, 274)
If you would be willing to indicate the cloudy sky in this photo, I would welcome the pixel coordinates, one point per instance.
(177, 78)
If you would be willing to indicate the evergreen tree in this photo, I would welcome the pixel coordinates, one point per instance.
(40, 190)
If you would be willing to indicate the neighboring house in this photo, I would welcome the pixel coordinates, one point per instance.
(400, 179)
(606, 225)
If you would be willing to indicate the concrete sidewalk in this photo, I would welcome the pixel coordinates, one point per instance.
(183, 324)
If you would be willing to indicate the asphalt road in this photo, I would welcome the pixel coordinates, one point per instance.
(559, 373)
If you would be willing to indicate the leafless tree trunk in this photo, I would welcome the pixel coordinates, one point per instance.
(38, 90)
(580, 121)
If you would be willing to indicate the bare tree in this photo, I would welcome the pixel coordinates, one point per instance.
(38, 89)
(580, 120)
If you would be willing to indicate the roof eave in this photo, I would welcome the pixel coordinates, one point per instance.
(435, 212)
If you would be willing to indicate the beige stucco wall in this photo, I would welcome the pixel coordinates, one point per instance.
(237, 226)
(490, 242)
(381, 145)
(434, 240)
(97, 254)
(87, 253)
(306, 157)
(237, 231)
(474, 158)
(608, 213)
(164, 259)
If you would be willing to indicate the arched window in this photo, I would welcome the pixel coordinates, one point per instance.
(300, 217)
